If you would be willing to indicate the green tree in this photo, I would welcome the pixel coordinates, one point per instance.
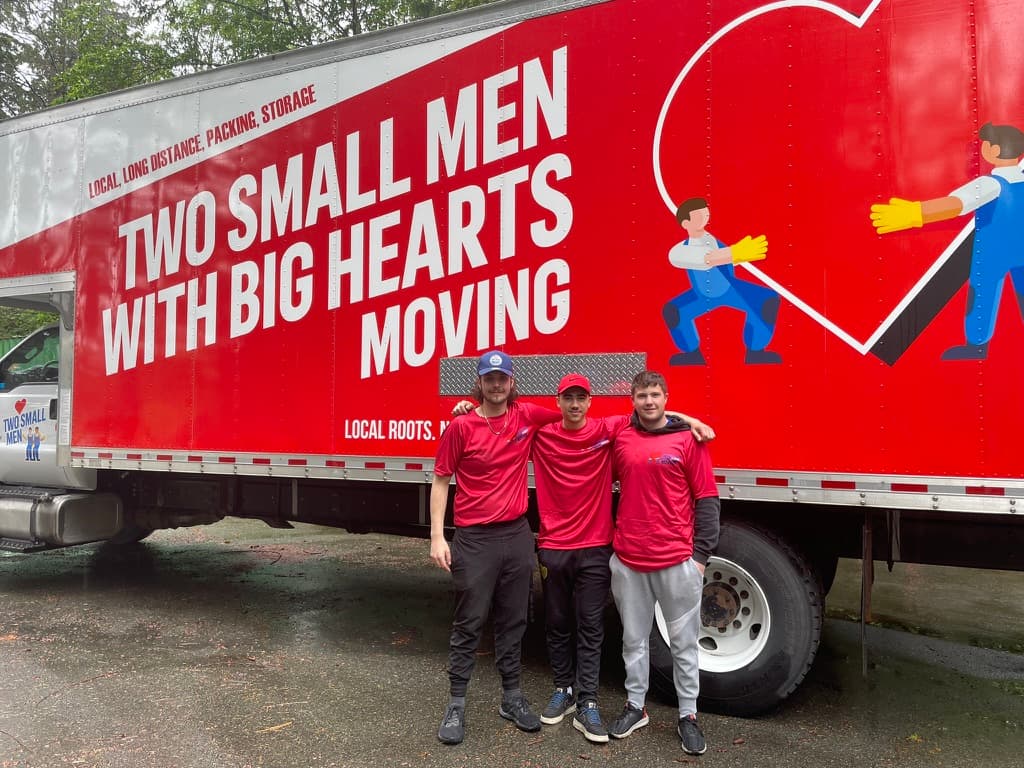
(18, 323)
(109, 48)
(19, 60)
(53, 51)
(210, 33)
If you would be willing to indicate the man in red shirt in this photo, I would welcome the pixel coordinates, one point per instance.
(491, 557)
(573, 475)
(666, 528)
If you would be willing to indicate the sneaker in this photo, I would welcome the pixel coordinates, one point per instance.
(562, 703)
(588, 722)
(691, 736)
(630, 719)
(453, 725)
(518, 711)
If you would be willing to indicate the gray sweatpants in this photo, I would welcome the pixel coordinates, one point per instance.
(678, 591)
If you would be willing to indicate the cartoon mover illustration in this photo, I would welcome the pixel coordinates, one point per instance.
(33, 440)
(713, 283)
(997, 202)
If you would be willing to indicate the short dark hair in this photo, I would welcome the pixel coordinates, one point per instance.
(478, 393)
(1010, 140)
(646, 379)
(689, 206)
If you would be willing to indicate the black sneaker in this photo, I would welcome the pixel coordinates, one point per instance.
(453, 725)
(630, 719)
(562, 703)
(691, 736)
(588, 722)
(518, 711)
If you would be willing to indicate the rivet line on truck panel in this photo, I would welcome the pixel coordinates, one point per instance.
(851, 485)
(734, 482)
(416, 466)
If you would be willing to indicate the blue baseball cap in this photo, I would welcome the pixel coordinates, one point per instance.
(495, 360)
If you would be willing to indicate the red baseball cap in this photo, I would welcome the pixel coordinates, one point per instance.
(574, 380)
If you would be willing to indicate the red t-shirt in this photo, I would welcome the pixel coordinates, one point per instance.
(573, 473)
(662, 475)
(490, 469)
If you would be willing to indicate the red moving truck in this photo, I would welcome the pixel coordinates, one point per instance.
(273, 279)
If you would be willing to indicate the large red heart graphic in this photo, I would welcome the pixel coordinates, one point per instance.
(19, 405)
(784, 122)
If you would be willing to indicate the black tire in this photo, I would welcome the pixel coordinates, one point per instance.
(764, 648)
(826, 566)
(130, 534)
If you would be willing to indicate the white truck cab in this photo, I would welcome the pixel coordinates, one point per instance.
(43, 504)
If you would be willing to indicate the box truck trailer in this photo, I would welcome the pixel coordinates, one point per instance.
(272, 281)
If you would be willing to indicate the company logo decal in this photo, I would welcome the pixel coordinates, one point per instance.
(664, 458)
(23, 427)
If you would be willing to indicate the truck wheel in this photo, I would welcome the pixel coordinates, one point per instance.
(761, 619)
(130, 534)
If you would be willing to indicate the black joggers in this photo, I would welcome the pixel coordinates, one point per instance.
(576, 585)
(492, 567)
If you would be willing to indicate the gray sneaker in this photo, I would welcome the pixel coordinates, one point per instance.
(518, 711)
(630, 719)
(453, 725)
(691, 737)
(588, 722)
(562, 703)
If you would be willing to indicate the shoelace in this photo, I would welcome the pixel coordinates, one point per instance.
(559, 698)
(591, 715)
(453, 718)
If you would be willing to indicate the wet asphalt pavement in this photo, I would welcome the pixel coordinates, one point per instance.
(237, 645)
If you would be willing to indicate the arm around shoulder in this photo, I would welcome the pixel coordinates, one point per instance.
(701, 431)
(540, 415)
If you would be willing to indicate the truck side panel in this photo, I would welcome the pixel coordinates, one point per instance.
(277, 266)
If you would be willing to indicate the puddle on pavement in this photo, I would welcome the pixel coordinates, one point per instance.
(968, 605)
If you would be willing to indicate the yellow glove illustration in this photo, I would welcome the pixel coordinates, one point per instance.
(897, 215)
(750, 249)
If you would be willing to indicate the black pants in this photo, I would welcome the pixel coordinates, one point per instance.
(576, 584)
(492, 567)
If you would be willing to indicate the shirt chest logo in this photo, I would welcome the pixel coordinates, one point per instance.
(664, 458)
